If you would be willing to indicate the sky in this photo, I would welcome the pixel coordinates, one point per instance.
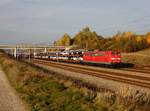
(44, 21)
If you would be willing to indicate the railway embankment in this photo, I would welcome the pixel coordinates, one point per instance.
(139, 59)
(47, 90)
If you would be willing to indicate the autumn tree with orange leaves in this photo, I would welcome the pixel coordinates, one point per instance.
(125, 42)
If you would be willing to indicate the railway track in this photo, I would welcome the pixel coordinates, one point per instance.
(136, 70)
(138, 80)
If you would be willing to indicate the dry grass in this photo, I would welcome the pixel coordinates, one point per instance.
(132, 99)
(141, 58)
(145, 52)
(47, 91)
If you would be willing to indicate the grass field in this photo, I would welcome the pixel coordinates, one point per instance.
(50, 92)
(141, 58)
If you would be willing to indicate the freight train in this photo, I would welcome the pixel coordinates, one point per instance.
(79, 56)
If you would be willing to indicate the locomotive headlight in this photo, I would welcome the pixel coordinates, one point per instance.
(112, 58)
(81, 58)
(115, 58)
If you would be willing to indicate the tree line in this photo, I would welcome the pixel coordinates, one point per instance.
(90, 40)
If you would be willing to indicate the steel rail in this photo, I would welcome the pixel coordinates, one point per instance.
(126, 78)
(136, 70)
(102, 71)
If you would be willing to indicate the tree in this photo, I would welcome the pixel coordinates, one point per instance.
(64, 41)
(148, 38)
(128, 34)
(139, 38)
(87, 39)
(117, 36)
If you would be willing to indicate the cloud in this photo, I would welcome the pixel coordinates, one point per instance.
(4, 2)
(45, 20)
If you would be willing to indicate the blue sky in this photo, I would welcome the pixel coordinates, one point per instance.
(43, 21)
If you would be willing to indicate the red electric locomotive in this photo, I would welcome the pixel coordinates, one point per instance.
(102, 57)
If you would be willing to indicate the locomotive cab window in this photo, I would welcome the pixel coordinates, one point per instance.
(99, 54)
(115, 53)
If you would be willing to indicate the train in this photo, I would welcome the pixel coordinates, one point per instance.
(111, 58)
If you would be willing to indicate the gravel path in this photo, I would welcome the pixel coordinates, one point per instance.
(9, 101)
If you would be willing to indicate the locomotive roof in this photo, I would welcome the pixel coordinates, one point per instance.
(91, 52)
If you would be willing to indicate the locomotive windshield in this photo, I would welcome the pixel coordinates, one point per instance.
(115, 53)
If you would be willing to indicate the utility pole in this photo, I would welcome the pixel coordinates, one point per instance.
(15, 52)
(57, 53)
(29, 55)
(45, 50)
